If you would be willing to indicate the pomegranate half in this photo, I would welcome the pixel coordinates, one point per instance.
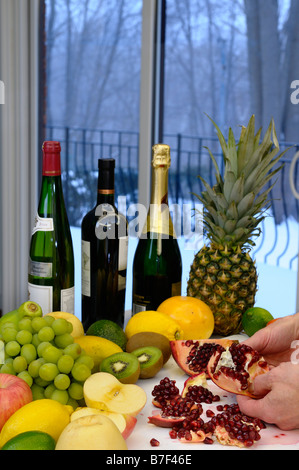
(235, 367)
(192, 356)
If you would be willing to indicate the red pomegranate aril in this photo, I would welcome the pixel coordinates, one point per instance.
(208, 440)
(173, 434)
(210, 413)
(154, 442)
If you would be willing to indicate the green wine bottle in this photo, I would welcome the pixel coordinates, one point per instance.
(157, 266)
(51, 256)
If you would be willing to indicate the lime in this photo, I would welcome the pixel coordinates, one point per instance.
(255, 319)
(109, 330)
(31, 440)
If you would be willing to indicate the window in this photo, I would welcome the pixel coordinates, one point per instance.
(93, 68)
(229, 60)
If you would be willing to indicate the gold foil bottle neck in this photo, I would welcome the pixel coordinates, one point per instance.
(161, 155)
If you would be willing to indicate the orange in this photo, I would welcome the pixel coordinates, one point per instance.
(194, 316)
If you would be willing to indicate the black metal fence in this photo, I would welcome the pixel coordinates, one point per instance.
(81, 148)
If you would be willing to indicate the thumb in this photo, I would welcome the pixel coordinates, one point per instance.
(262, 384)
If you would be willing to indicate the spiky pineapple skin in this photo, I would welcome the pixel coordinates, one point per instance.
(226, 280)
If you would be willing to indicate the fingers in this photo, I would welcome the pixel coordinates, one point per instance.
(253, 408)
(259, 407)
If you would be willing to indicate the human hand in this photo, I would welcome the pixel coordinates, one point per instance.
(275, 342)
(279, 392)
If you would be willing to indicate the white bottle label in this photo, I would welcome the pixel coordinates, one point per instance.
(123, 253)
(42, 224)
(85, 268)
(42, 295)
(67, 300)
(40, 269)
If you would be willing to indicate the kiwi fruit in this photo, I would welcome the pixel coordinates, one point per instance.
(123, 365)
(150, 359)
(149, 338)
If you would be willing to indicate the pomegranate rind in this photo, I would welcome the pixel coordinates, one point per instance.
(180, 350)
(164, 422)
(230, 384)
(224, 439)
(199, 379)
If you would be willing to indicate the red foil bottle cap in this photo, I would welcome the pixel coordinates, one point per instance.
(51, 158)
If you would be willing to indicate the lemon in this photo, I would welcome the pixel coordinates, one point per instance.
(157, 322)
(110, 330)
(31, 440)
(78, 329)
(255, 319)
(97, 348)
(194, 316)
(43, 415)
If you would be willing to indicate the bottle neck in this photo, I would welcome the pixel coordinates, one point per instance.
(159, 192)
(105, 196)
(106, 191)
(158, 218)
(51, 159)
(51, 194)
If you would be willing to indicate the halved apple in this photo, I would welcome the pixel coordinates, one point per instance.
(124, 423)
(105, 392)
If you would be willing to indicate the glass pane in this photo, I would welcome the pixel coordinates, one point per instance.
(93, 80)
(229, 60)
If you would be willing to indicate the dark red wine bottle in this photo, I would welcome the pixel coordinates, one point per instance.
(104, 254)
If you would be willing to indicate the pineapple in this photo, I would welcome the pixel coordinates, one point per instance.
(223, 275)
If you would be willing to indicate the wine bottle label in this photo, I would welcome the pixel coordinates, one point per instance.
(123, 253)
(42, 295)
(136, 308)
(67, 300)
(85, 268)
(40, 269)
(42, 224)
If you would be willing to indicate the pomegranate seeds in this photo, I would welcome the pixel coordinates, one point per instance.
(164, 392)
(235, 368)
(183, 414)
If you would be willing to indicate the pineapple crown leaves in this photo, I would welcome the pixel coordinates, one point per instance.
(237, 204)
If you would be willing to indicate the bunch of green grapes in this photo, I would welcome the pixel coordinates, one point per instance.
(42, 352)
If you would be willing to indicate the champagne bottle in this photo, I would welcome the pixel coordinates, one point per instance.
(51, 257)
(104, 254)
(157, 266)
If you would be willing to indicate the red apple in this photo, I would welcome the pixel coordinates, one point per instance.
(14, 393)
